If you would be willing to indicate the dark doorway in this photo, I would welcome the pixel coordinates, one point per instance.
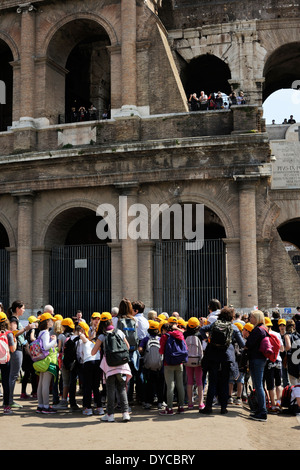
(206, 73)
(6, 79)
(185, 280)
(88, 78)
(80, 269)
(282, 69)
(290, 235)
(4, 268)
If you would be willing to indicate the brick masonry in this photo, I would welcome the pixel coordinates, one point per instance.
(153, 141)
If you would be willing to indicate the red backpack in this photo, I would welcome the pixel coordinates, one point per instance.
(4, 348)
(270, 345)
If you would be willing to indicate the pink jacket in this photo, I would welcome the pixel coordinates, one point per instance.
(124, 369)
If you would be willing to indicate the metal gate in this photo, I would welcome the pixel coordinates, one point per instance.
(184, 281)
(4, 278)
(80, 279)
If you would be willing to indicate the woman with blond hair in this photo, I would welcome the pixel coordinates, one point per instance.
(257, 362)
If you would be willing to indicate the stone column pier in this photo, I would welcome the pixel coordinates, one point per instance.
(128, 59)
(24, 248)
(129, 246)
(248, 245)
(24, 128)
(28, 39)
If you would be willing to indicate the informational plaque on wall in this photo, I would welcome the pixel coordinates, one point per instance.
(286, 167)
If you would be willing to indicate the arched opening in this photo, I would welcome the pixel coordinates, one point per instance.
(290, 235)
(282, 68)
(79, 50)
(6, 86)
(185, 279)
(80, 264)
(4, 268)
(282, 78)
(206, 73)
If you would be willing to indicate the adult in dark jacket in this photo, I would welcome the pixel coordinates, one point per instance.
(257, 362)
(218, 362)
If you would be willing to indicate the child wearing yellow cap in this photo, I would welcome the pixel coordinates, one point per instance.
(152, 366)
(91, 372)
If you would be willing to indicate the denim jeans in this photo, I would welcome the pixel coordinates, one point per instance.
(257, 367)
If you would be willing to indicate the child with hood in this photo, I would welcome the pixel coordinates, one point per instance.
(173, 373)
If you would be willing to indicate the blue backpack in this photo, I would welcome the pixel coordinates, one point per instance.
(176, 351)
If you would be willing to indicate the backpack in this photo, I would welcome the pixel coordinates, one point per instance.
(287, 401)
(36, 349)
(175, 351)
(221, 334)
(252, 398)
(293, 355)
(270, 346)
(4, 348)
(69, 358)
(152, 357)
(195, 351)
(115, 349)
(128, 326)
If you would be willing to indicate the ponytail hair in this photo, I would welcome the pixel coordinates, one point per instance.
(12, 310)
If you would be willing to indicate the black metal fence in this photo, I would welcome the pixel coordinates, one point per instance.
(80, 279)
(4, 278)
(184, 281)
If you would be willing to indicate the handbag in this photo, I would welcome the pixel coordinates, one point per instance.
(43, 365)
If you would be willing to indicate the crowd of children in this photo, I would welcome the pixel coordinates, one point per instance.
(167, 360)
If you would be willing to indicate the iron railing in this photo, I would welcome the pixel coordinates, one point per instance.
(80, 279)
(184, 281)
(4, 278)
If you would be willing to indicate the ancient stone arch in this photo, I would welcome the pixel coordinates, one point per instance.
(5, 222)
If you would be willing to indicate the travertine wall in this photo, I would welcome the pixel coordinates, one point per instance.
(220, 159)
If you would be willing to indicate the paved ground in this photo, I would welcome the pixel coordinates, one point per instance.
(147, 431)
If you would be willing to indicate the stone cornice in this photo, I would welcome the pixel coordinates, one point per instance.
(9, 4)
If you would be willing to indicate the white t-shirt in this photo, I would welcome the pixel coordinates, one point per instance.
(84, 350)
(281, 343)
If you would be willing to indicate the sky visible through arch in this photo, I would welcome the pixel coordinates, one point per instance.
(281, 104)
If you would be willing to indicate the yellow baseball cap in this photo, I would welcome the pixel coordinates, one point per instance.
(96, 315)
(153, 325)
(268, 321)
(172, 320)
(239, 325)
(32, 319)
(58, 317)
(68, 322)
(249, 327)
(162, 317)
(105, 316)
(85, 327)
(193, 322)
(282, 321)
(46, 316)
(3, 316)
(163, 322)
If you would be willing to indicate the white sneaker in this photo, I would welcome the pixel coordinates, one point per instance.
(108, 418)
(99, 411)
(126, 417)
(87, 412)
